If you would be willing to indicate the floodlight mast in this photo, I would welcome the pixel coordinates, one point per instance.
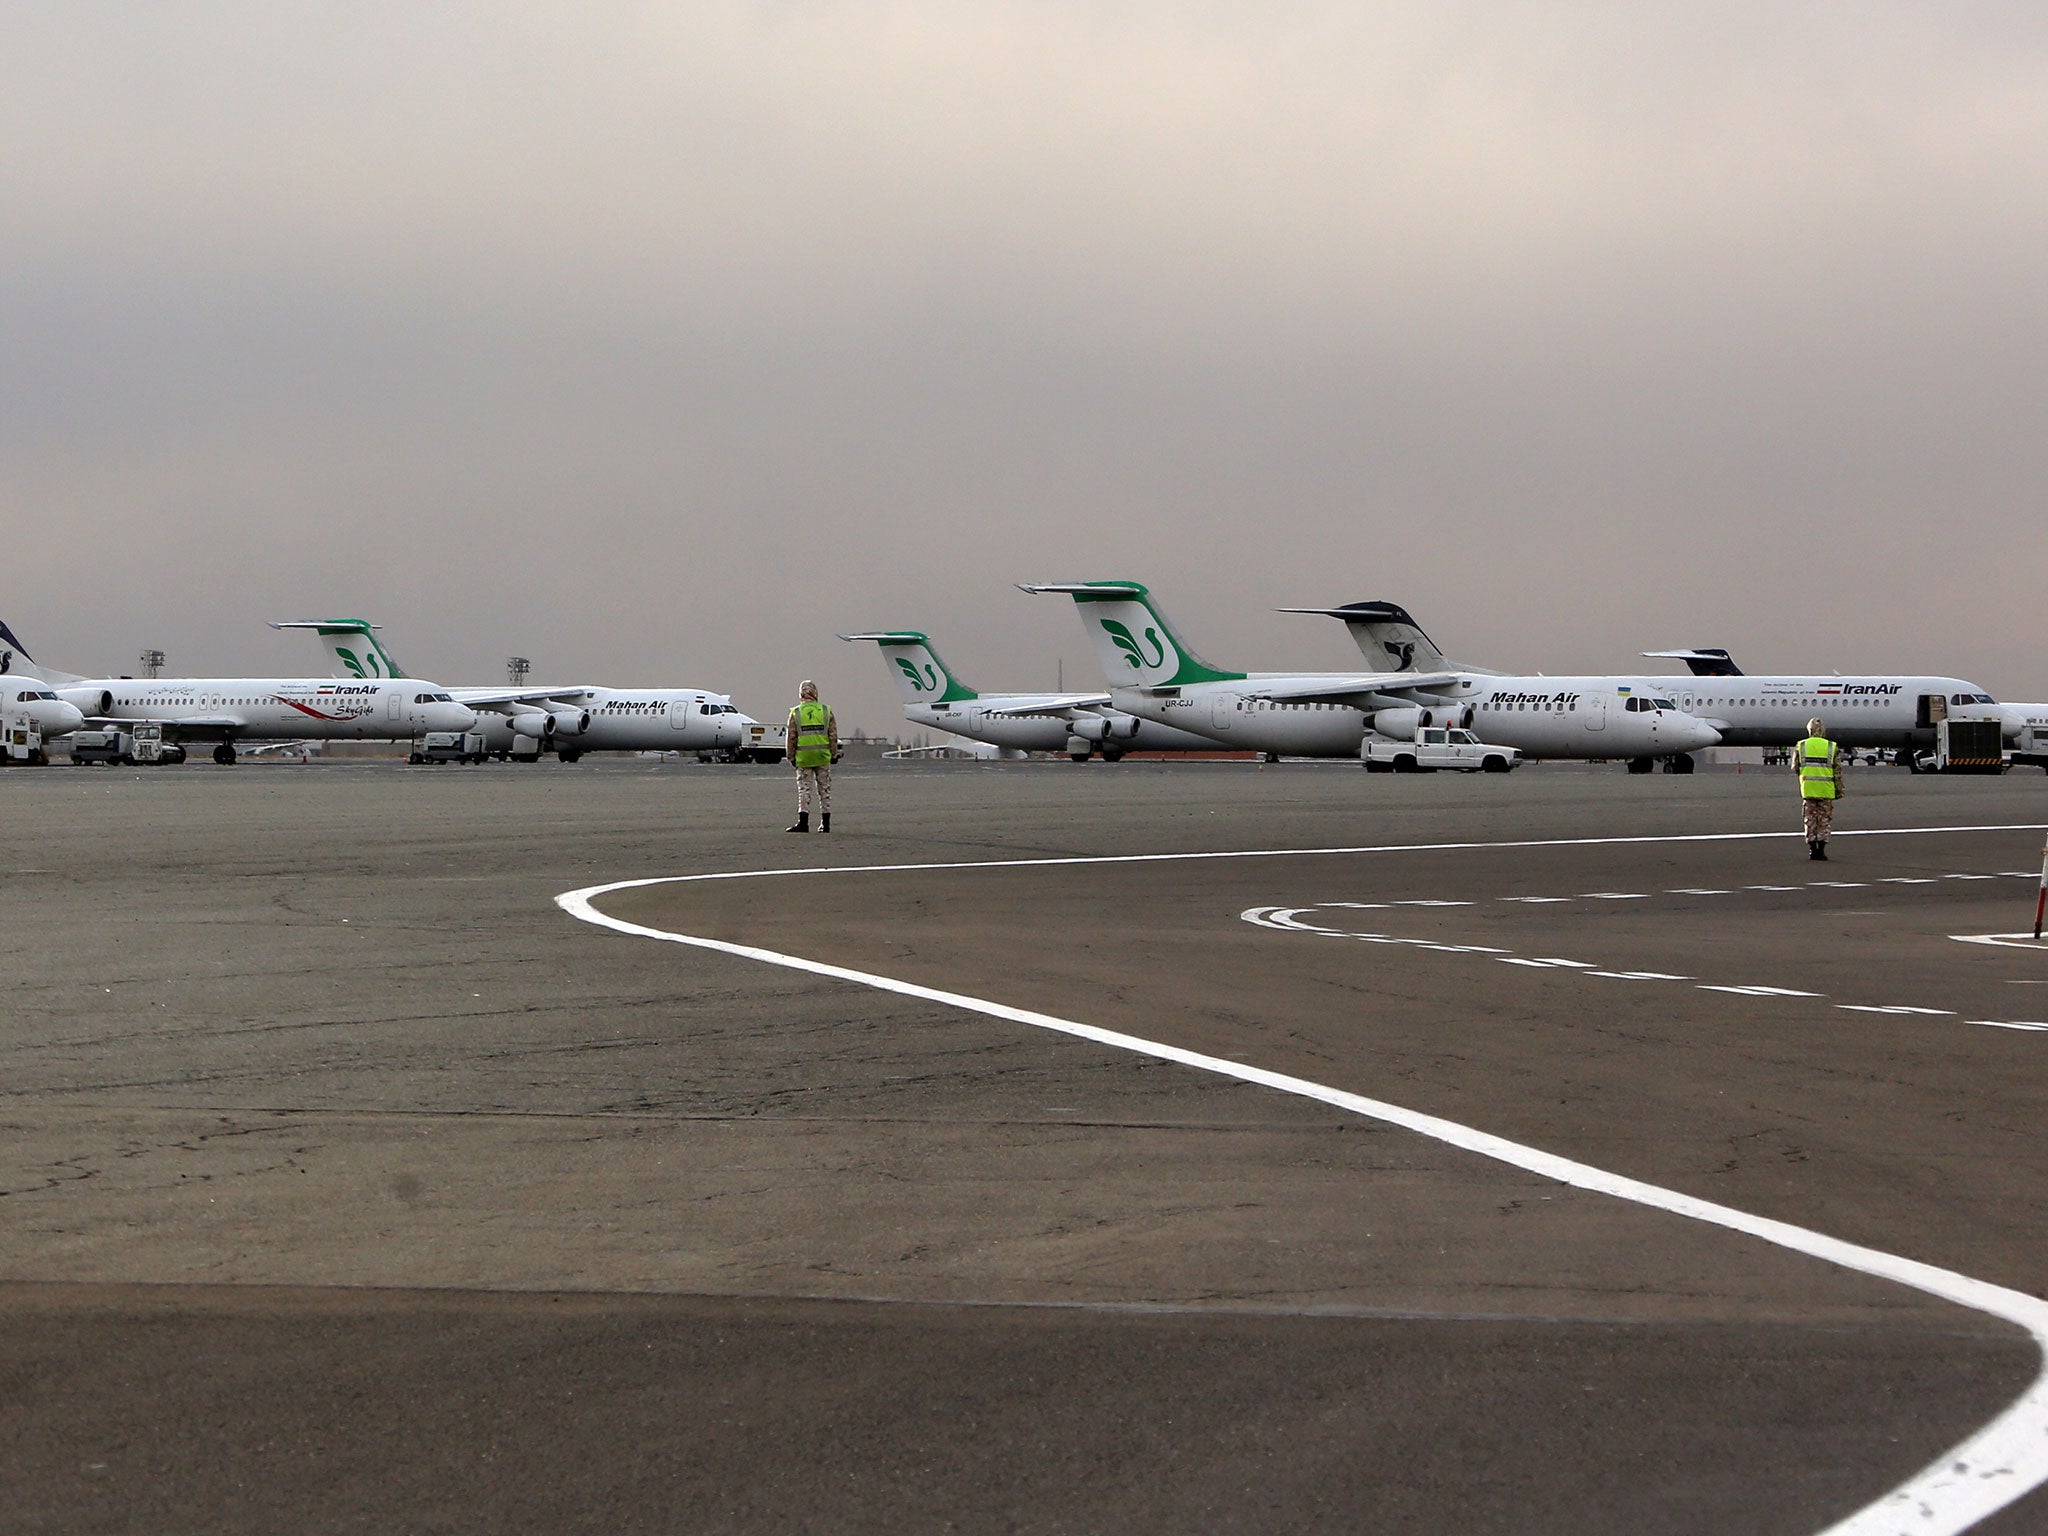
(152, 663)
(516, 668)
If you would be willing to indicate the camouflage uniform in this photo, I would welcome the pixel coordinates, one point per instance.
(1818, 790)
(813, 783)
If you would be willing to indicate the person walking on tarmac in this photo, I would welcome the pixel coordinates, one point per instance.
(1820, 763)
(813, 747)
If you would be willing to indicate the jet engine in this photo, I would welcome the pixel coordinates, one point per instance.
(1100, 728)
(88, 701)
(545, 724)
(1402, 721)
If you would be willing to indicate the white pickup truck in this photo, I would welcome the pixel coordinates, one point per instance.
(1435, 747)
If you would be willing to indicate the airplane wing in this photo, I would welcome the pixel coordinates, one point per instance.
(498, 698)
(1068, 707)
(1350, 690)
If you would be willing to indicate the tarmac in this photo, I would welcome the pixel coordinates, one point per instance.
(350, 1183)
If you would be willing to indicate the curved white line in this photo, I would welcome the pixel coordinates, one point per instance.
(2003, 940)
(2002, 1462)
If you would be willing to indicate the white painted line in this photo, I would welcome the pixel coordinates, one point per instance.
(1432, 903)
(1359, 906)
(2007, 1024)
(1969, 877)
(1943, 1013)
(1851, 885)
(2001, 1463)
(1908, 880)
(1695, 890)
(1639, 975)
(2003, 940)
(818, 871)
(1615, 896)
(1770, 887)
(1763, 991)
(1535, 901)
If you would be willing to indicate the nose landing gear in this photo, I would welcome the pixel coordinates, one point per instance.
(224, 754)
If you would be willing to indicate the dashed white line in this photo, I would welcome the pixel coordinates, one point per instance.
(1762, 991)
(1946, 1013)
(1640, 975)
(1536, 901)
(2008, 1024)
(1614, 896)
(1697, 890)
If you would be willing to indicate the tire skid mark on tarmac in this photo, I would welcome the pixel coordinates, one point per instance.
(2001, 1463)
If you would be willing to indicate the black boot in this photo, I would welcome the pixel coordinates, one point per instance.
(1812, 849)
(1820, 850)
(824, 821)
(801, 824)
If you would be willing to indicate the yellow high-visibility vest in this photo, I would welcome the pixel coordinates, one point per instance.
(813, 745)
(1817, 768)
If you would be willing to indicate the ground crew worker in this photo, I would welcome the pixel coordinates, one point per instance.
(813, 745)
(1819, 763)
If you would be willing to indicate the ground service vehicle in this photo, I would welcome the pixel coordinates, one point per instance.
(22, 744)
(449, 747)
(1437, 747)
(761, 743)
(141, 743)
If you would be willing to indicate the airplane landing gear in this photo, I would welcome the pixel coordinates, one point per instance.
(1681, 763)
(224, 754)
(1641, 764)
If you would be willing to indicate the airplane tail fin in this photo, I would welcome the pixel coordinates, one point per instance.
(1387, 637)
(1704, 661)
(353, 648)
(915, 667)
(1133, 640)
(15, 661)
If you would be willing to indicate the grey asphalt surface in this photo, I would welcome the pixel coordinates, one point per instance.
(349, 1184)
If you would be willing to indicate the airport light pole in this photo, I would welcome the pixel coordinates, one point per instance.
(152, 663)
(516, 667)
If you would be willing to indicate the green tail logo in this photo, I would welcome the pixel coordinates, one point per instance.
(929, 680)
(1134, 653)
(350, 660)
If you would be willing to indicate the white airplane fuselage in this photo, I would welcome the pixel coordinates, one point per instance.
(610, 720)
(273, 708)
(29, 701)
(1542, 717)
(1870, 712)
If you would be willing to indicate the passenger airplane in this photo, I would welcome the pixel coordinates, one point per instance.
(1153, 674)
(27, 702)
(567, 721)
(1077, 724)
(1897, 713)
(225, 710)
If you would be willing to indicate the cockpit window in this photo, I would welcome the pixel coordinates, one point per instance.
(1666, 704)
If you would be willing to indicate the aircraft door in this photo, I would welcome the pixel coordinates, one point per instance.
(679, 714)
(1933, 709)
(1595, 711)
(1223, 712)
(392, 703)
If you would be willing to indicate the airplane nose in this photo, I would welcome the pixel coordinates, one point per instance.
(1698, 734)
(63, 718)
(460, 717)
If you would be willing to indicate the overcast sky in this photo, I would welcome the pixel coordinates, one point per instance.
(659, 342)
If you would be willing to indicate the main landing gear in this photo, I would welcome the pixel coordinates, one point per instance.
(224, 754)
